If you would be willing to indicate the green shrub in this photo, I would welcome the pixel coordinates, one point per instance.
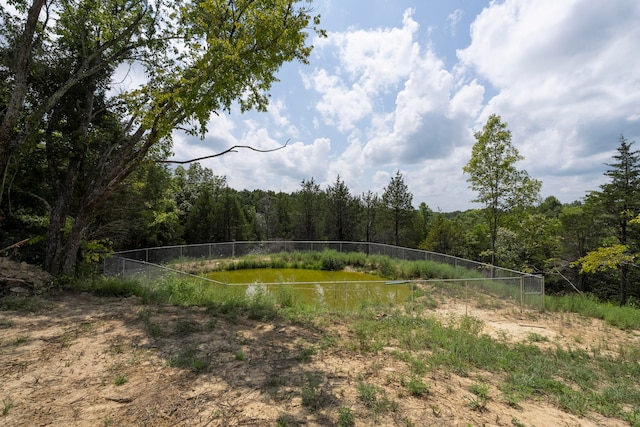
(346, 418)
(333, 261)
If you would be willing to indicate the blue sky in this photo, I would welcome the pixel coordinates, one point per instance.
(403, 85)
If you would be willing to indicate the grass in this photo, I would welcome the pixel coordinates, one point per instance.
(625, 317)
(7, 404)
(313, 396)
(188, 358)
(575, 380)
(375, 399)
(416, 387)
(21, 340)
(346, 417)
(23, 304)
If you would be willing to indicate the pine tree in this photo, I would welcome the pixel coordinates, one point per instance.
(619, 200)
(397, 200)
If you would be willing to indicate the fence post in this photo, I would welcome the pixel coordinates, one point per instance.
(521, 294)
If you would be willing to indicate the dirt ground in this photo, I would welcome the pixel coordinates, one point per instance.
(90, 361)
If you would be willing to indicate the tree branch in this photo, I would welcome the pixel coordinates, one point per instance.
(228, 150)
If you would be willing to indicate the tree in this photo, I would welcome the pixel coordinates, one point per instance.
(201, 226)
(341, 215)
(284, 215)
(200, 57)
(422, 223)
(580, 231)
(445, 236)
(537, 242)
(142, 212)
(493, 175)
(550, 207)
(397, 201)
(619, 200)
(189, 183)
(309, 211)
(370, 205)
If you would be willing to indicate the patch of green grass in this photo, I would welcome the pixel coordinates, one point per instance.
(368, 336)
(110, 287)
(328, 341)
(152, 328)
(625, 317)
(120, 380)
(314, 397)
(21, 340)
(535, 337)
(262, 307)
(306, 353)
(7, 404)
(116, 348)
(23, 304)
(417, 365)
(481, 390)
(570, 378)
(375, 399)
(416, 387)
(285, 296)
(286, 420)
(185, 327)
(478, 402)
(188, 358)
(346, 417)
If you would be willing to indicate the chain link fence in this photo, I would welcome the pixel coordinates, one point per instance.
(153, 264)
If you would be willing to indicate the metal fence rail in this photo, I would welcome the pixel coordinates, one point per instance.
(150, 263)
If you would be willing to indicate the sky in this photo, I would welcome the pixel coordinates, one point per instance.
(401, 85)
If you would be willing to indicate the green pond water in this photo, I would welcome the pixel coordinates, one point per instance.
(336, 290)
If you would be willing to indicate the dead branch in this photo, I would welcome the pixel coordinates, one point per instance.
(222, 153)
(15, 245)
(121, 399)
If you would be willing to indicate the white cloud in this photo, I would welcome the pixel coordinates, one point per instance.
(453, 19)
(562, 74)
(467, 101)
(383, 68)
(279, 117)
(565, 78)
(350, 166)
(340, 106)
(371, 63)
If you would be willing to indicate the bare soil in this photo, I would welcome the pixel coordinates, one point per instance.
(90, 361)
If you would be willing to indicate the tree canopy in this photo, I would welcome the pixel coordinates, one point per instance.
(500, 186)
(60, 60)
(619, 201)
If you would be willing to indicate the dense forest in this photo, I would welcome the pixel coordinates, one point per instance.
(160, 205)
(82, 171)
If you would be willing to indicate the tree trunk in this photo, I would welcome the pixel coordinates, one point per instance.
(624, 270)
(55, 238)
(9, 141)
(69, 255)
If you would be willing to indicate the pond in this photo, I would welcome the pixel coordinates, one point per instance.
(335, 290)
